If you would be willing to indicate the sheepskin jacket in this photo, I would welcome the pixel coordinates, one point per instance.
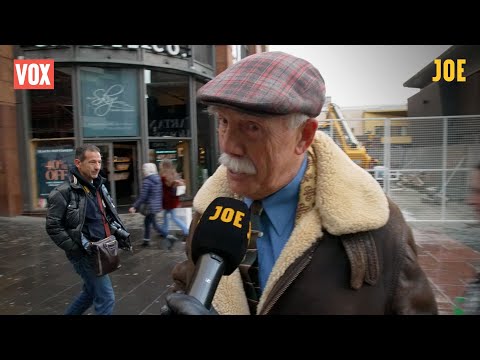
(353, 253)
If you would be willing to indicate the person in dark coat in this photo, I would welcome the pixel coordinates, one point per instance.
(77, 215)
(328, 239)
(151, 199)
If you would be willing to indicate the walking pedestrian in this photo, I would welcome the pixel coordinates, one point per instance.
(170, 182)
(149, 201)
(80, 211)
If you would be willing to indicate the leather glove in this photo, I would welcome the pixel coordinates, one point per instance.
(182, 304)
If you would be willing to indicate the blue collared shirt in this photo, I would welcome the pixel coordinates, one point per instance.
(277, 220)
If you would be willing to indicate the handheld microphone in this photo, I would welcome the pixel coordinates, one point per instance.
(219, 245)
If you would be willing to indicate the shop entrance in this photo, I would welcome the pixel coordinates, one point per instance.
(119, 167)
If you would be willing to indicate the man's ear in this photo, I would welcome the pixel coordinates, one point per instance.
(307, 135)
(77, 162)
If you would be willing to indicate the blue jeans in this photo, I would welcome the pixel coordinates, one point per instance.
(97, 290)
(177, 221)
(151, 219)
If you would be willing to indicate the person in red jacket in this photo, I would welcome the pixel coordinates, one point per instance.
(170, 181)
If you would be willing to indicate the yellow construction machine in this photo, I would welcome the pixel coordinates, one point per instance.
(341, 133)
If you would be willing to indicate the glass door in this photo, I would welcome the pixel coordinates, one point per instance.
(108, 170)
(125, 173)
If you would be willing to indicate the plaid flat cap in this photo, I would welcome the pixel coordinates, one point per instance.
(273, 83)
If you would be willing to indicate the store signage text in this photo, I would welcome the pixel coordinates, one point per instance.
(56, 170)
(168, 127)
(172, 50)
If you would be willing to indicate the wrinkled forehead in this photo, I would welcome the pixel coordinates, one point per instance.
(92, 155)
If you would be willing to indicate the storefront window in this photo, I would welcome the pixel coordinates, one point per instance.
(51, 159)
(207, 142)
(109, 99)
(179, 153)
(167, 104)
(239, 52)
(168, 117)
(51, 136)
(52, 110)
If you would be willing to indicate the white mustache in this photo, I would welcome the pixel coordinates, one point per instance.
(238, 165)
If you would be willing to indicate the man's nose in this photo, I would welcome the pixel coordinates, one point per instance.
(231, 142)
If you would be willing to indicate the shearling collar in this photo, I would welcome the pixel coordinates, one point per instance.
(348, 199)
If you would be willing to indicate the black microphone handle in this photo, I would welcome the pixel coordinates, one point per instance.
(209, 269)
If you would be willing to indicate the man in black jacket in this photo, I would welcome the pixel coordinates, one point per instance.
(80, 211)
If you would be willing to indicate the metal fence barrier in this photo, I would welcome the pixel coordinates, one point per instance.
(423, 163)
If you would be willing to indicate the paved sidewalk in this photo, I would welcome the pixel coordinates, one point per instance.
(36, 278)
(448, 262)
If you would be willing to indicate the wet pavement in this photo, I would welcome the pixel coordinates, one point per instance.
(36, 278)
(449, 253)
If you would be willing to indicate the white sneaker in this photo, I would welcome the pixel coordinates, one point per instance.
(172, 238)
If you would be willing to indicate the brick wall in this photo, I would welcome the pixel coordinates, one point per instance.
(10, 190)
(224, 55)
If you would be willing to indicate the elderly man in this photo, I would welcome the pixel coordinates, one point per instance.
(331, 241)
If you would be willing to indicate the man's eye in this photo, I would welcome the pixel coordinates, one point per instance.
(253, 127)
(222, 122)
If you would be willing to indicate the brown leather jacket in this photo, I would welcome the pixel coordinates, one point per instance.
(352, 254)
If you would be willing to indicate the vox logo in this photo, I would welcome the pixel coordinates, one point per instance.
(33, 74)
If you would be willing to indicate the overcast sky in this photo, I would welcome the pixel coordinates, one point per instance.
(366, 75)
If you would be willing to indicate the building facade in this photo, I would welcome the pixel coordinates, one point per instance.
(137, 103)
(457, 99)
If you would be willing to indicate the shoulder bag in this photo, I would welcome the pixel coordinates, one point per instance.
(106, 255)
